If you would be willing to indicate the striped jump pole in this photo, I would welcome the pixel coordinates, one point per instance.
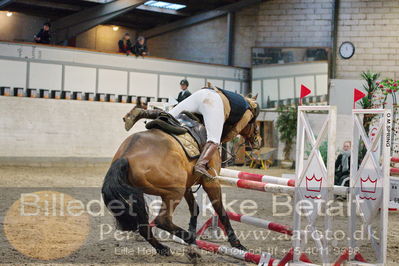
(254, 185)
(260, 259)
(271, 188)
(257, 177)
(246, 219)
(243, 255)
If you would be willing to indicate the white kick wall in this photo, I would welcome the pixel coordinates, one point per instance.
(68, 69)
(282, 82)
(50, 128)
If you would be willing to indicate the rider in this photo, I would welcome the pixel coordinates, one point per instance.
(225, 115)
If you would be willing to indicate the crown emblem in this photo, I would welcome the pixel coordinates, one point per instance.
(367, 185)
(313, 184)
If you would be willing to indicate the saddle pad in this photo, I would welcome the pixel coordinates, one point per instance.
(190, 146)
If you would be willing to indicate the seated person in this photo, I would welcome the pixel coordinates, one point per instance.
(44, 34)
(185, 93)
(140, 47)
(125, 45)
(343, 164)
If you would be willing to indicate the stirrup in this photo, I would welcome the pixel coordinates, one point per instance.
(206, 175)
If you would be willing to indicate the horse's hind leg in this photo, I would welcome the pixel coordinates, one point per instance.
(164, 221)
(146, 232)
(215, 196)
(194, 211)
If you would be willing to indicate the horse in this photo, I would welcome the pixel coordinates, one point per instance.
(153, 162)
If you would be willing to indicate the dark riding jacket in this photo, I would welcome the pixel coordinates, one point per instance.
(237, 113)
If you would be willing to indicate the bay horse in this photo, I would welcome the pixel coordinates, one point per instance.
(153, 162)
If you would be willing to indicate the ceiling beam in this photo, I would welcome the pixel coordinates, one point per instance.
(4, 3)
(162, 10)
(182, 23)
(49, 4)
(72, 25)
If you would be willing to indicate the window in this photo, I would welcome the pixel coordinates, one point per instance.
(166, 5)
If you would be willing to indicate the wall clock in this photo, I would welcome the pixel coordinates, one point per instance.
(346, 50)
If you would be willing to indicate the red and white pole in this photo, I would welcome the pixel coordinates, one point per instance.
(253, 185)
(257, 177)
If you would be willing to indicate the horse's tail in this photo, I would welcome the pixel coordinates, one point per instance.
(125, 202)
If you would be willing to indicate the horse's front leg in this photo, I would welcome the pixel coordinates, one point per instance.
(164, 221)
(214, 192)
(194, 211)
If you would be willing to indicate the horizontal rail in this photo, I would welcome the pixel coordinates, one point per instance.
(251, 180)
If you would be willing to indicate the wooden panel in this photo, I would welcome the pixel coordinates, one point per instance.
(143, 84)
(80, 79)
(216, 82)
(195, 84)
(287, 88)
(270, 90)
(45, 76)
(112, 81)
(322, 84)
(267, 133)
(13, 73)
(169, 86)
(308, 81)
(234, 86)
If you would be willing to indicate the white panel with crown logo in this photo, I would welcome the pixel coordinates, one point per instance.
(313, 187)
(368, 190)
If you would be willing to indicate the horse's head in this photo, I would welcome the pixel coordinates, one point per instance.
(251, 131)
(130, 117)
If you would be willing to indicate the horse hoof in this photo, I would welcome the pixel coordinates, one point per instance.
(165, 251)
(192, 255)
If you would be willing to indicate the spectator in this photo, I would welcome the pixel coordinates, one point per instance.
(185, 93)
(140, 47)
(44, 34)
(125, 45)
(342, 164)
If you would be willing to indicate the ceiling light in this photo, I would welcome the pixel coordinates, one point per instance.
(166, 5)
(9, 14)
(115, 28)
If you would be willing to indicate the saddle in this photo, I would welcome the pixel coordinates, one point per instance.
(187, 129)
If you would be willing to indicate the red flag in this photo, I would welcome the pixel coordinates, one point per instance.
(357, 95)
(304, 91)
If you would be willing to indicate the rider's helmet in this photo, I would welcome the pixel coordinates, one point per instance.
(184, 82)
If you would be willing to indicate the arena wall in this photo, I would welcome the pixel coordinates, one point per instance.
(19, 27)
(290, 23)
(373, 27)
(48, 128)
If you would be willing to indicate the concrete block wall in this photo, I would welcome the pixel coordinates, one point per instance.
(246, 26)
(373, 27)
(303, 23)
(204, 42)
(47, 128)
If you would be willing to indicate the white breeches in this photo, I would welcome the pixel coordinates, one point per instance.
(209, 104)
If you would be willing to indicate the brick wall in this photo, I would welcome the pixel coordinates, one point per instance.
(272, 23)
(373, 27)
(204, 42)
(294, 23)
(246, 25)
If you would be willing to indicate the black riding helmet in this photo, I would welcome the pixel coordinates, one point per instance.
(184, 82)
